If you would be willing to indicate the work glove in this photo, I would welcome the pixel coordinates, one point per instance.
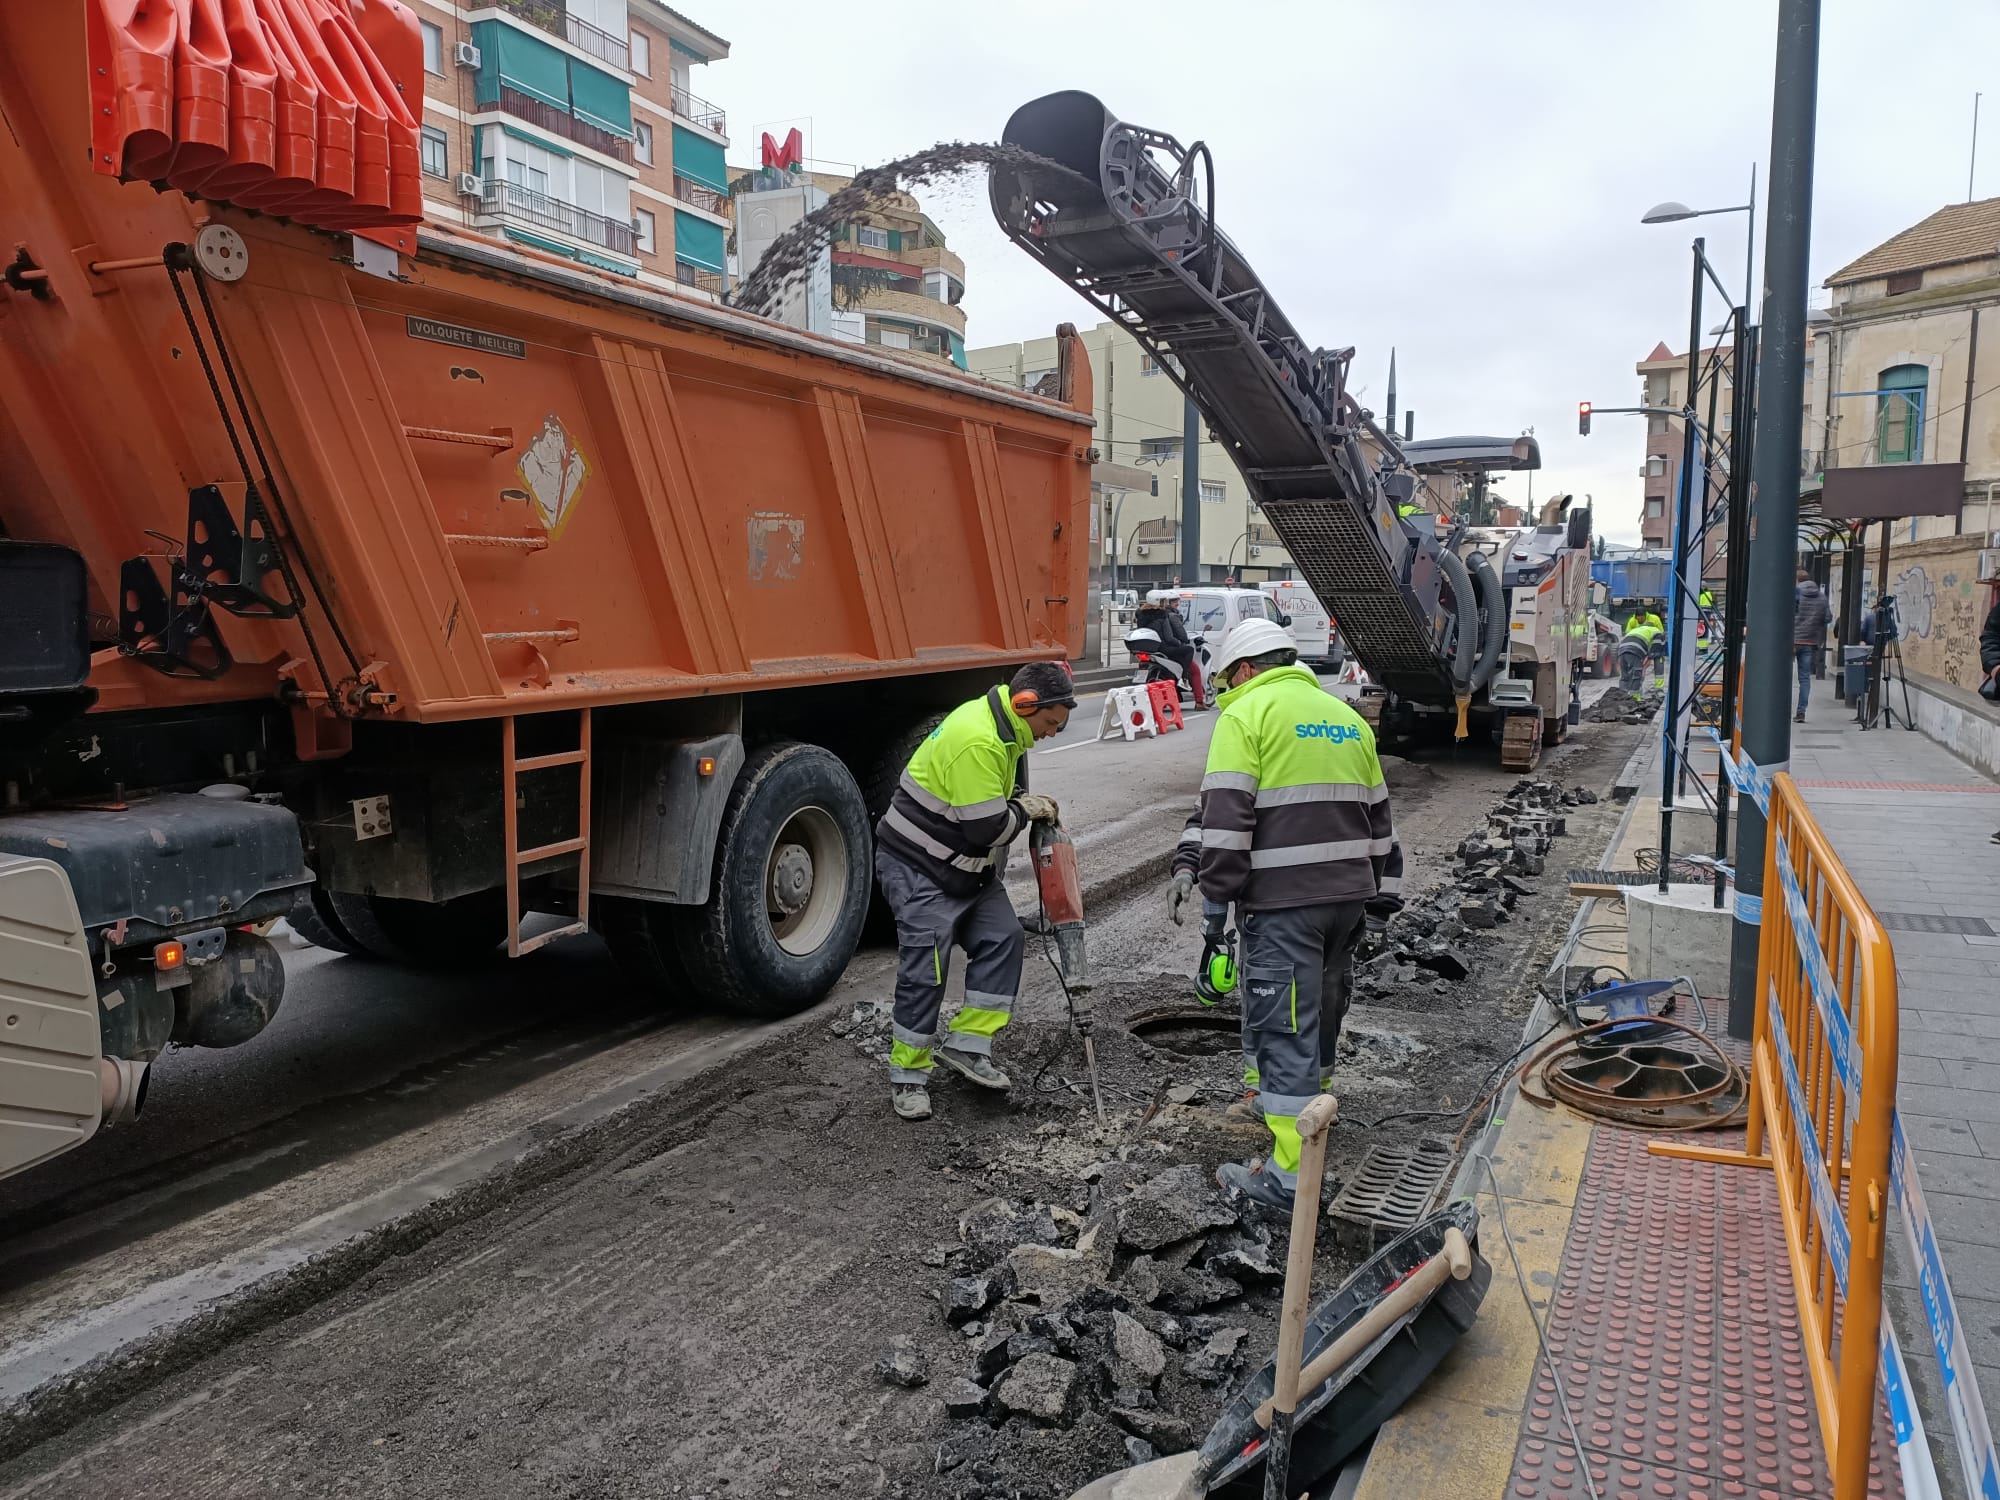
(1039, 809)
(1178, 894)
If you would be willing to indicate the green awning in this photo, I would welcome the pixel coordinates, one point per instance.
(554, 247)
(605, 263)
(512, 57)
(697, 241)
(699, 159)
(599, 99)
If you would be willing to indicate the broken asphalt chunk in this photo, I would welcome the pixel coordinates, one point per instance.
(1215, 1360)
(1174, 1205)
(992, 1228)
(903, 1363)
(962, 1398)
(1042, 1387)
(967, 1297)
(1137, 1357)
(1169, 1434)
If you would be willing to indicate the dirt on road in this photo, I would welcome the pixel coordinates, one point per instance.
(703, 1302)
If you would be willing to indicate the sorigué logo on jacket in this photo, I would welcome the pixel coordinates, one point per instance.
(1339, 734)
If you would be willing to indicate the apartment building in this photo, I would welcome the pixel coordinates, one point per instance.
(895, 283)
(573, 127)
(1140, 413)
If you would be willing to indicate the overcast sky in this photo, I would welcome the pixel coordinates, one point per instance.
(1461, 179)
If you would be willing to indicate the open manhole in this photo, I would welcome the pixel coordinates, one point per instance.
(1191, 1031)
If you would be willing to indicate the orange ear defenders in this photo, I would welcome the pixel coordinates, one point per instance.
(1027, 701)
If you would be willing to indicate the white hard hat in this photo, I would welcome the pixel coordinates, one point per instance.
(1251, 638)
(1157, 596)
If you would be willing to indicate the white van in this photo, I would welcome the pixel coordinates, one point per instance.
(1312, 627)
(1209, 612)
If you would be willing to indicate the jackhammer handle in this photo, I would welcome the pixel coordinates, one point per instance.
(1454, 1261)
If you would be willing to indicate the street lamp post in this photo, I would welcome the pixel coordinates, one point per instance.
(1229, 562)
(1672, 212)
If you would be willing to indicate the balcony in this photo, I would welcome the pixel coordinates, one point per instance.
(561, 122)
(700, 195)
(511, 201)
(699, 277)
(552, 17)
(698, 111)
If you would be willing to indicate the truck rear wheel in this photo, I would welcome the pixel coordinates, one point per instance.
(424, 934)
(640, 935)
(791, 885)
(312, 918)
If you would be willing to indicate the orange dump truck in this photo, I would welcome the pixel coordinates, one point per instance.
(408, 582)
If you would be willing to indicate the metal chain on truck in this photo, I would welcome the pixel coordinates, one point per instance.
(259, 504)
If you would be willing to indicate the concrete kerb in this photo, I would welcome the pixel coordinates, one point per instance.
(1457, 1435)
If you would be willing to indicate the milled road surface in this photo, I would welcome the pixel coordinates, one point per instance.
(697, 1297)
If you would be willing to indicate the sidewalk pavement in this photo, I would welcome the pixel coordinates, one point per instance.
(1640, 1337)
(1914, 825)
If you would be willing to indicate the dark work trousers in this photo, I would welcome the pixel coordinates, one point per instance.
(1297, 968)
(929, 923)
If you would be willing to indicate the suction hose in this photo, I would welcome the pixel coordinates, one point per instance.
(1466, 651)
(1493, 599)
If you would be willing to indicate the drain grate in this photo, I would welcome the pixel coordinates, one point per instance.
(1391, 1192)
(1917, 921)
(1596, 881)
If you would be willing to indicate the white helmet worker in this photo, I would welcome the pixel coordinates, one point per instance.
(1250, 638)
(1158, 596)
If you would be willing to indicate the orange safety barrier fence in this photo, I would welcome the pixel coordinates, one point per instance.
(1821, 1112)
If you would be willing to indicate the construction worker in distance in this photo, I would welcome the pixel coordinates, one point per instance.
(1635, 649)
(1296, 834)
(961, 800)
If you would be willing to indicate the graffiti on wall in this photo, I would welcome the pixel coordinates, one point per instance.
(1941, 608)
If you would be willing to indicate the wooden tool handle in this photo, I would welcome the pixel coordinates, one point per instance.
(1454, 1261)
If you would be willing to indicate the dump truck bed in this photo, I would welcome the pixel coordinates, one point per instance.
(504, 483)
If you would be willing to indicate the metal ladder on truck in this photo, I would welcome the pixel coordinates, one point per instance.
(1131, 238)
(512, 767)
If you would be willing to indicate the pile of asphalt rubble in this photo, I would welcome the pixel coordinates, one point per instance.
(1070, 1317)
(1618, 707)
(1427, 935)
(1066, 1314)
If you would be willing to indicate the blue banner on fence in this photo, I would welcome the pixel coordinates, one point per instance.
(1746, 776)
(1819, 977)
(1974, 1438)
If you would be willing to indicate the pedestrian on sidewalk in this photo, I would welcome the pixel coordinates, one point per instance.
(961, 800)
(1296, 833)
(1809, 617)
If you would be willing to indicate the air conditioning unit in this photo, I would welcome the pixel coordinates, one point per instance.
(470, 185)
(1256, 551)
(466, 55)
(1143, 550)
(1989, 564)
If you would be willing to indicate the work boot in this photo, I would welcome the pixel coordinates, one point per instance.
(1261, 1186)
(1245, 1111)
(974, 1065)
(912, 1101)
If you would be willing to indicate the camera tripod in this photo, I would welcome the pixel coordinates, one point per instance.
(1885, 667)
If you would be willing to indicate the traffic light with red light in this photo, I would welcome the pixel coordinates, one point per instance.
(1583, 419)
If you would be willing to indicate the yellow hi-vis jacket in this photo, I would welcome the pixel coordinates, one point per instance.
(954, 805)
(1294, 810)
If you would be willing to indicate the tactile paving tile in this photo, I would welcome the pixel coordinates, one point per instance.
(1673, 1334)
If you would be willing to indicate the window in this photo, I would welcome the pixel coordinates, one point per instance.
(1899, 414)
(644, 224)
(1905, 281)
(1656, 424)
(601, 191)
(642, 143)
(642, 54)
(1148, 365)
(1032, 379)
(1212, 492)
(607, 16)
(1271, 610)
(893, 338)
(433, 47)
(1656, 507)
(869, 237)
(1656, 466)
(1160, 449)
(436, 149)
